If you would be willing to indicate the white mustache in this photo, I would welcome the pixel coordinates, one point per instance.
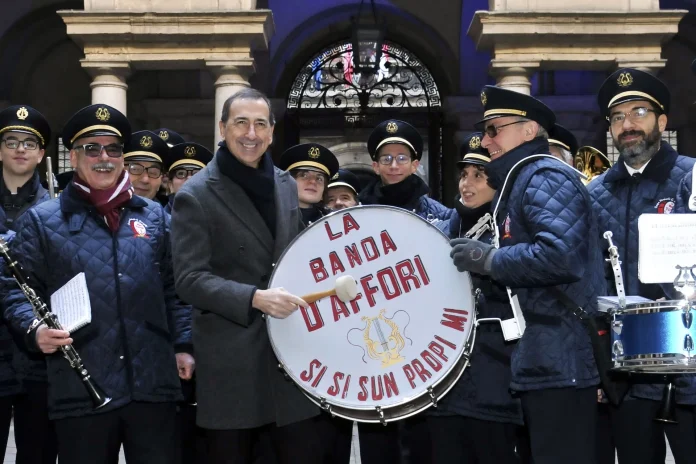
(104, 166)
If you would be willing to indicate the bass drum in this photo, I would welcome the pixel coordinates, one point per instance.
(402, 342)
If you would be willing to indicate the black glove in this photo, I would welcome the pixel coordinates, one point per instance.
(472, 255)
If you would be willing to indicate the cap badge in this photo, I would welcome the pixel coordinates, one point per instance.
(164, 135)
(475, 142)
(314, 153)
(392, 127)
(190, 151)
(484, 98)
(335, 177)
(103, 114)
(22, 113)
(146, 141)
(625, 79)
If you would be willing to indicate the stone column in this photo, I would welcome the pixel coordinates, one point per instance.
(513, 77)
(109, 83)
(229, 79)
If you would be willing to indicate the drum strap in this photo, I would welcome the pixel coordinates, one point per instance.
(692, 198)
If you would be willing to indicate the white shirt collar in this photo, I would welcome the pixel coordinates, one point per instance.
(632, 171)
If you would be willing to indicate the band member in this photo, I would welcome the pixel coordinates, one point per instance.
(478, 420)
(549, 253)
(143, 156)
(121, 243)
(171, 138)
(25, 134)
(243, 200)
(396, 148)
(645, 179)
(311, 165)
(562, 144)
(342, 191)
(183, 162)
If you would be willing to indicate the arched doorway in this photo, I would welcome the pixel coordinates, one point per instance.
(329, 103)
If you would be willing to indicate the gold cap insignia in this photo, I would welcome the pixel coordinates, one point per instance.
(146, 141)
(103, 114)
(475, 142)
(164, 135)
(190, 152)
(314, 152)
(335, 176)
(625, 79)
(392, 127)
(22, 113)
(484, 98)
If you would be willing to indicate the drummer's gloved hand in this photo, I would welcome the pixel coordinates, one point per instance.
(472, 255)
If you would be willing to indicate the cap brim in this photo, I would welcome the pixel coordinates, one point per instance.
(141, 157)
(307, 168)
(471, 161)
(342, 184)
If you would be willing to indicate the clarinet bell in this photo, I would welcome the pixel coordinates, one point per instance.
(667, 413)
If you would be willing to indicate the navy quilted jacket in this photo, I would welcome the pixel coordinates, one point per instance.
(9, 382)
(619, 200)
(482, 392)
(548, 238)
(137, 321)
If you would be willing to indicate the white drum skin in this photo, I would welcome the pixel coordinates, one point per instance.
(402, 342)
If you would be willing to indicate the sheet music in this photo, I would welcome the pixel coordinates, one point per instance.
(665, 241)
(71, 304)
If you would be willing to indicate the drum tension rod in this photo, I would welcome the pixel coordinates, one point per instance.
(325, 406)
(433, 399)
(381, 415)
(282, 369)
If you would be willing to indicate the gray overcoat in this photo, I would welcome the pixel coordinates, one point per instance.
(222, 250)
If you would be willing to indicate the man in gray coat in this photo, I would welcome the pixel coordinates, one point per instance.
(230, 223)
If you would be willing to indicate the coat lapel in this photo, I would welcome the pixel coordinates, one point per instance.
(238, 202)
(285, 200)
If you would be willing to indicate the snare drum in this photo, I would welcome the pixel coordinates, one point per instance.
(402, 342)
(655, 338)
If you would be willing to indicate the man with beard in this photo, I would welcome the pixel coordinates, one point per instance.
(343, 190)
(645, 179)
(550, 257)
(138, 342)
(24, 133)
(143, 156)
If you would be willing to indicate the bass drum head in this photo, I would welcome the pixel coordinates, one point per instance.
(401, 342)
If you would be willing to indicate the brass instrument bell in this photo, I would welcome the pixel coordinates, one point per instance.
(591, 162)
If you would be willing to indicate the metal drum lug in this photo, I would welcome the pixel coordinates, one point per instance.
(688, 343)
(617, 326)
(617, 348)
(381, 415)
(687, 318)
(433, 399)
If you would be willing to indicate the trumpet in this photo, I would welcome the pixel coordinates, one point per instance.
(45, 316)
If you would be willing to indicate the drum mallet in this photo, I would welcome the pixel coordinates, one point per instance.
(346, 289)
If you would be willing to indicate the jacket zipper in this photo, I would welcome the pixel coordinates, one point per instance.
(627, 228)
(124, 339)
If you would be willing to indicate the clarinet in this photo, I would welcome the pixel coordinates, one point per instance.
(43, 315)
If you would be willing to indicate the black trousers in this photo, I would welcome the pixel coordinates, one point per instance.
(337, 434)
(640, 439)
(406, 441)
(190, 437)
(300, 442)
(562, 423)
(147, 432)
(463, 440)
(35, 435)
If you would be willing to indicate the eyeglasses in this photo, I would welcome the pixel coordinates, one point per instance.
(153, 172)
(309, 175)
(636, 114)
(28, 144)
(94, 150)
(387, 160)
(492, 131)
(184, 173)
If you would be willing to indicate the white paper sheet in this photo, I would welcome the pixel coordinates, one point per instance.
(71, 304)
(665, 241)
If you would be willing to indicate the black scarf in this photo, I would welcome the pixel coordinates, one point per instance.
(498, 169)
(257, 183)
(405, 194)
(26, 194)
(312, 214)
(466, 218)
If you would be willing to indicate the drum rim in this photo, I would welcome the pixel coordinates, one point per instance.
(656, 364)
(335, 409)
(653, 307)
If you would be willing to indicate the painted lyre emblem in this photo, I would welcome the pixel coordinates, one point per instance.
(387, 347)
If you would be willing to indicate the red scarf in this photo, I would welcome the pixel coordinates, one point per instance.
(107, 201)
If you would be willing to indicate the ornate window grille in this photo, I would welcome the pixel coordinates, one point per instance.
(329, 81)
